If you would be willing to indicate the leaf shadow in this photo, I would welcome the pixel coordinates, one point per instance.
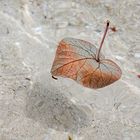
(50, 106)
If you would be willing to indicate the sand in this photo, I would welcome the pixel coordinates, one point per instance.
(33, 106)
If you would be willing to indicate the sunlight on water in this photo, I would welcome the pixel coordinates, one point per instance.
(36, 107)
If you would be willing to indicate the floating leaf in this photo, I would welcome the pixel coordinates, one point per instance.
(81, 61)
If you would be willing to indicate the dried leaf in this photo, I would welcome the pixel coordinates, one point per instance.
(77, 59)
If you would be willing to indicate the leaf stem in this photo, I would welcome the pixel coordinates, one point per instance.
(101, 44)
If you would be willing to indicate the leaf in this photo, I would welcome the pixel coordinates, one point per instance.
(76, 59)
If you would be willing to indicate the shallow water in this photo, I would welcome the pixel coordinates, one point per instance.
(34, 106)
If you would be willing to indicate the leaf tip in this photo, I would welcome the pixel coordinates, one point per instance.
(54, 77)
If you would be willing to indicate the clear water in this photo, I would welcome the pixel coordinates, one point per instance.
(34, 106)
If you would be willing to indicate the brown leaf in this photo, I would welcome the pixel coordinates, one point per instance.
(81, 61)
(76, 59)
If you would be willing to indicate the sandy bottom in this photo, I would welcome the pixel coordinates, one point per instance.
(33, 106)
